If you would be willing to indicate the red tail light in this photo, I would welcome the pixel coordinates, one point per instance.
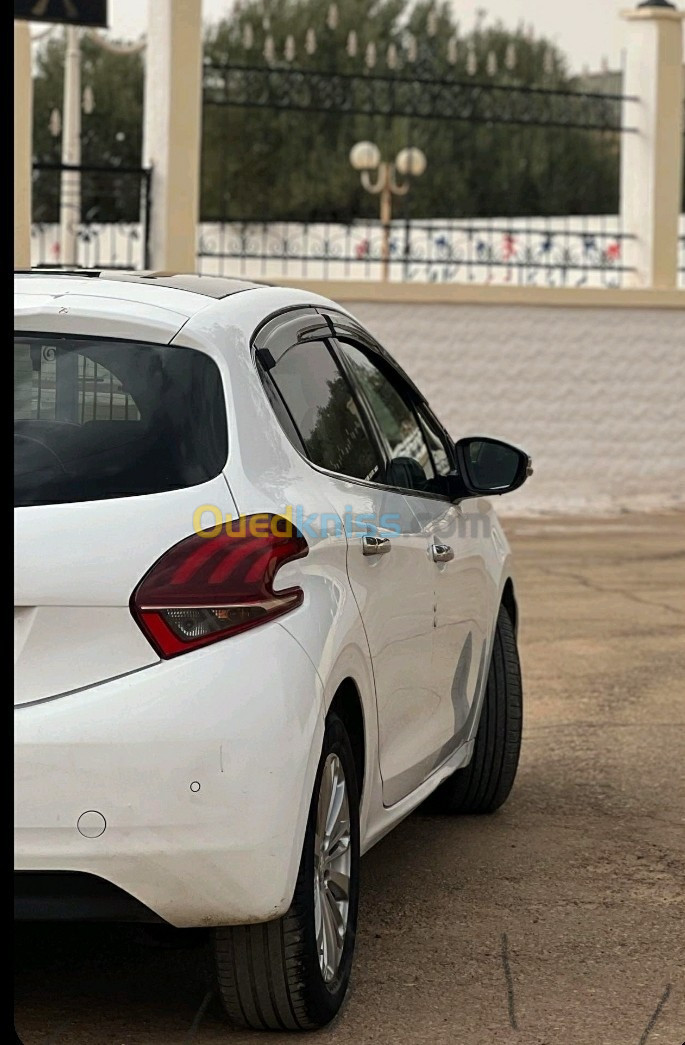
(206, 588)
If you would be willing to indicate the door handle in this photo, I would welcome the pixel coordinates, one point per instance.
(441, 553)
(376, 546)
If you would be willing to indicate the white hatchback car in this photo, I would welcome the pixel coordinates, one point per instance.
(262, 611)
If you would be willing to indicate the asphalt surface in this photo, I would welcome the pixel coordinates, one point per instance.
(560, 920)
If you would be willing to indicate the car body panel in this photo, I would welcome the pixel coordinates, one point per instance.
(59, 649)
(76, 568)
(243, 717)
(95, 552)
(394, 593)
(101, 308)
(226, 852)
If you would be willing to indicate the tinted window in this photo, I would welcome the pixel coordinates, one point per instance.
(435, 438)
(98, 419)
(281, 412)
(410, 464)
(323, 410)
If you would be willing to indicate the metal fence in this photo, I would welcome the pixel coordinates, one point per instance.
(566, 252)
(306, 90)
(280, 197)
(103, 213)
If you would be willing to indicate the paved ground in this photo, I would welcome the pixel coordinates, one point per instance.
(559, 921)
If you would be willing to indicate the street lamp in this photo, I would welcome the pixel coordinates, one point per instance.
(365, 157)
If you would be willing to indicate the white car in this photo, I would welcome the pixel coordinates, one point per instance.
(262, 611)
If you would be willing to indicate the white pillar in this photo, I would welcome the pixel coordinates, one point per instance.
(171, 142)
(651, 161)
(70, 190)
(23, 148)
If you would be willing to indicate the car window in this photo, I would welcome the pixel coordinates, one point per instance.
(281, 412)
(435, 437)
(95, 419)
(86, 390)
(323, 410)
(410, 466)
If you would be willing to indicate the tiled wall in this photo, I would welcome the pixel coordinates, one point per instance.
(597, 396)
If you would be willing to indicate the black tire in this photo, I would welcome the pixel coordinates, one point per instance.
(268, 975)
(484, 785)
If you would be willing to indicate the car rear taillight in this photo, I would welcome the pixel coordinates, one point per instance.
(209, 587)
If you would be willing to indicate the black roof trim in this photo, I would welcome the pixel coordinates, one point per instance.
(207, 286)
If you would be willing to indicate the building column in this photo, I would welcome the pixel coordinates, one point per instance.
(172, 130)
(70, 184)
(23, 145)
(652, 158)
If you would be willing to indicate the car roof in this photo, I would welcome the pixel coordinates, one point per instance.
(154, 306)
(119, 303)
(216, 287)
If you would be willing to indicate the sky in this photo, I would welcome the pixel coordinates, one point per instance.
(587, 30)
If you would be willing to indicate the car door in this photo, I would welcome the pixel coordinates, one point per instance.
(389, 571)
(419, 460)
(459, 534)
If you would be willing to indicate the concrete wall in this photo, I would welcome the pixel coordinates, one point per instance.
(597, 396)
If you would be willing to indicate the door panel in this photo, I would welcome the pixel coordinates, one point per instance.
(394, 593)
(419, 459)
(461, 620)
(347, 411)
(461, 591)
(411, 718)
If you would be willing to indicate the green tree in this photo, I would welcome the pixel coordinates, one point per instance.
(111, 134)
(274, 164)
(264, 163)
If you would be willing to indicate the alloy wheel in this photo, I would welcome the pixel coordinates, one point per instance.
(332, 865)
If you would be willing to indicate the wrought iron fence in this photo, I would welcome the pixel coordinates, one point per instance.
(308, 90)
(567, 252)
(105, 212)
(280, 197)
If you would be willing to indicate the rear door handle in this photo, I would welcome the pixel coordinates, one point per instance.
(376, 546)
(441, 553)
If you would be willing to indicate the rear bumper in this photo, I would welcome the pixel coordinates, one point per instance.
(48, 896)
(196, 775)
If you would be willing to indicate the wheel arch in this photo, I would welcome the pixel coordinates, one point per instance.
(347, 705)
(510, 604)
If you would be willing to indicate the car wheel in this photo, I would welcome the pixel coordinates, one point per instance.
(293, 973)
(484, 785)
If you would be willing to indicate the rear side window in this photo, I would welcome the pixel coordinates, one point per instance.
(323, 410)
(100, 419)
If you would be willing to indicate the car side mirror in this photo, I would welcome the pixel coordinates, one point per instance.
(490, 466)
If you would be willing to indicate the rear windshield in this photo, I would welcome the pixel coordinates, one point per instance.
(97, 419)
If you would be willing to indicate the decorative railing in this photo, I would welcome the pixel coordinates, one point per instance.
(489, 151)
(564, 253)
(307, 90)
